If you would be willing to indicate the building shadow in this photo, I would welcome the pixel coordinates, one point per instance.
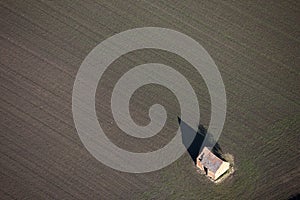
(294, 197)
(192, 140)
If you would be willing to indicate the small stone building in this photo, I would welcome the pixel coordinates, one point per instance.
(213, 166)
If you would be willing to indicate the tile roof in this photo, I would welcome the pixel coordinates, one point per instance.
(209, 160)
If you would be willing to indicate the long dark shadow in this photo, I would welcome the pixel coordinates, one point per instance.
(192, 140)
(294, 197)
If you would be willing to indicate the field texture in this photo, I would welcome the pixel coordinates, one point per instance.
(255, 45)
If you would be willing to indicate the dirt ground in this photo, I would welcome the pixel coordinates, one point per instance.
(255, 45)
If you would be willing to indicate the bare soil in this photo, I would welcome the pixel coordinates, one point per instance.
(255, 44)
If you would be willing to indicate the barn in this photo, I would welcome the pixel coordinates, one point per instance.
(213, 166)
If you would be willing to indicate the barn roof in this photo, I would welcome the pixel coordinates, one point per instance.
(209, 160)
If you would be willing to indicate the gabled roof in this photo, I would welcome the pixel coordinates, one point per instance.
(210, 160)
